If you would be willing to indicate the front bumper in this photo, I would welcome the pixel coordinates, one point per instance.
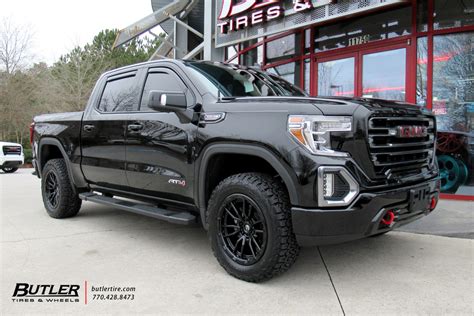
(12, 161)
(363, 218)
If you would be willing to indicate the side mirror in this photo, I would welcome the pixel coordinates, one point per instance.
(162, 101)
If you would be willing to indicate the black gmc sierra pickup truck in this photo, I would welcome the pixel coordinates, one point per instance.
(262, 166)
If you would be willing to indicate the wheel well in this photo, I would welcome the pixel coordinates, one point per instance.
(49, 152)
(221, 166)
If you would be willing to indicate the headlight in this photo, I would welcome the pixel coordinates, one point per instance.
(314, 132)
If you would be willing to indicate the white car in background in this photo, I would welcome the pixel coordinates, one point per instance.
(11, 156)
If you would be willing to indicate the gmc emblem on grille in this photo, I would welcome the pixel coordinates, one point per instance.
(411, 131)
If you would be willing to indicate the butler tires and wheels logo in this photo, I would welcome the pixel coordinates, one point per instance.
(46, 293)
(237, 15)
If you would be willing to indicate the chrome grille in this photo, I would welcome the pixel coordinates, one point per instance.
(393, 152)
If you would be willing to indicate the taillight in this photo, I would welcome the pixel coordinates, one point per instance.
(32, 132)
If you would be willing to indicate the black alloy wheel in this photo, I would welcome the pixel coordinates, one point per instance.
(52, 189)
(242, 229)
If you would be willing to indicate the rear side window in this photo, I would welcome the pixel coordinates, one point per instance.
(119, 95)
(162, 81)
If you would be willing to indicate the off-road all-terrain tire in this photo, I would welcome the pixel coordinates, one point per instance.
(265, 196)
(59, 196)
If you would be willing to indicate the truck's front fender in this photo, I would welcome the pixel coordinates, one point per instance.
(288, 177)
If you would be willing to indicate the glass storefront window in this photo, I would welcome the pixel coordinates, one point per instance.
(387, 84)
(421, 71)
(422, 15)
(290, 72)
(336, 78)
(453, 104)
(253, 57)
(307, 41)
(453, 13)
(307, 75)
(284, 47)
(362, 30)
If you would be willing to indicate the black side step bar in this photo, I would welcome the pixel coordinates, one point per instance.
(175, 217)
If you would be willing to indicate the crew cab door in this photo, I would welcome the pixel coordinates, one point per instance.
(103, 131)
(159, 145)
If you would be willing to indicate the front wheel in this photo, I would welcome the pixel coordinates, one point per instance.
(250, 227)
(59, 196)
(9, 170)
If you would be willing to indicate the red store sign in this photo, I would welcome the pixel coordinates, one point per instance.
(238, 16)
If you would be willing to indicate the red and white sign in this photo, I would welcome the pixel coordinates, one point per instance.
(243, 20)
(237, 16)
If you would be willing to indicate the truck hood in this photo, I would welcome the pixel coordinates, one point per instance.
(376, 105)
(336, 105)
(348, 106)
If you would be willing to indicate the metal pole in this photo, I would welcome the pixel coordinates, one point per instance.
(185, 25)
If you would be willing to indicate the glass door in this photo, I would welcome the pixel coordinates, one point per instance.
(384, 74)
(336, 77)
(376, 73)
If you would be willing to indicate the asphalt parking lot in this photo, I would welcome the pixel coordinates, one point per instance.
(173, 270)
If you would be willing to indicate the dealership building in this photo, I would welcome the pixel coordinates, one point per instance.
(415, 51)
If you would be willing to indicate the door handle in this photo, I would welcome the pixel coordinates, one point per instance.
(135, 127)
(88, 128)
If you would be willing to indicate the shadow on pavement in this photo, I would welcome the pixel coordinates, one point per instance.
(379, 252)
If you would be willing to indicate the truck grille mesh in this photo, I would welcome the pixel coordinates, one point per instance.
(396, 155)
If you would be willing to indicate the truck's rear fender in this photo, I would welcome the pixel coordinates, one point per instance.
(257, 152)
(51, 148)
(58, 136)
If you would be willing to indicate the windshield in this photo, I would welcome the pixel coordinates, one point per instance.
(234, 81)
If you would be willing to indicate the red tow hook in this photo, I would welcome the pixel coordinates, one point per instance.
(433, 203)
(388, 218)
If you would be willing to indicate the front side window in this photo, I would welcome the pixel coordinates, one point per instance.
(119, 95)
(162, 81)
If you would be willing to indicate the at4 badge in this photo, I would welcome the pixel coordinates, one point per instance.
(178, 182)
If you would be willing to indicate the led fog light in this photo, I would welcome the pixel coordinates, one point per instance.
(328, 185)
(336, 186)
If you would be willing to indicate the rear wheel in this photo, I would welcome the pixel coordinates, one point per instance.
(59, 196)
(250, 227)
(9, 170)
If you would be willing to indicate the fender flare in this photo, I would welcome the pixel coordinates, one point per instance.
(243, 149)
(55, 142)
